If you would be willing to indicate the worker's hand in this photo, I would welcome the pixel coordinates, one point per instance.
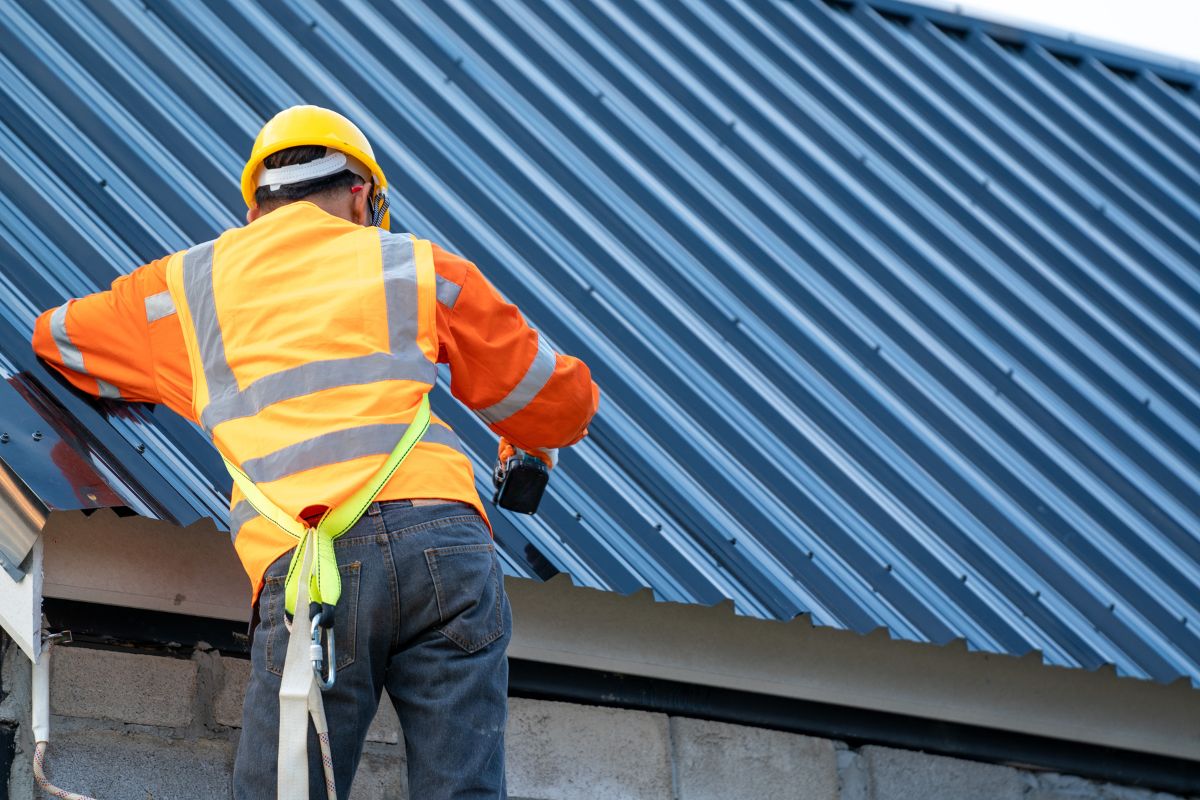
(549, 457)
(518, 480)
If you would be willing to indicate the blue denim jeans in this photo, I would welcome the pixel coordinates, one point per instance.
(423, 615)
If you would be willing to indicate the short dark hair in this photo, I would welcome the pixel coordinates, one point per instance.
(268, 200)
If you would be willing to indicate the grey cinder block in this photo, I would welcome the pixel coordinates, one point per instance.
(227, 705)
(717, 761)
(103, 684)
(904, 774)
(561, 751)
(385, 728)
(382, 775)
(114, 764)
(230, 696)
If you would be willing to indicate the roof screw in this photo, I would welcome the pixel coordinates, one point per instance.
(4, 438)
(37, 436)
(141, 448)
(963, 577)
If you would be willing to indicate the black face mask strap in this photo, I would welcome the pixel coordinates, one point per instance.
(379, 207)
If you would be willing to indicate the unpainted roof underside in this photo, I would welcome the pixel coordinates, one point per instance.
(897, 323)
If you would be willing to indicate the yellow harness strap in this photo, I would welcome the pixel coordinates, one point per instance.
(325, 584)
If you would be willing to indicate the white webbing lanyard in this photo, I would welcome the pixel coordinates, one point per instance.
(299, 699)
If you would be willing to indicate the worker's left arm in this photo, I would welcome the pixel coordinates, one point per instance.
(534, 398)
(108, 343)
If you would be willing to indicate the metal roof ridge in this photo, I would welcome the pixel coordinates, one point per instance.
(1056, 40)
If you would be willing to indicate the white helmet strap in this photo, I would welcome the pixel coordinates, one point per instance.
(332, 163)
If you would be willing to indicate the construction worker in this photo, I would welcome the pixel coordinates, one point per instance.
(305, 343)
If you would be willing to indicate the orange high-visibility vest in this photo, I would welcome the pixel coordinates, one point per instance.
(311, 348)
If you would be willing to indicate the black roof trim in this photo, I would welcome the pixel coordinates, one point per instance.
(855, 726)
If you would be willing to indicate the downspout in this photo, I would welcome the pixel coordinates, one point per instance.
(40, 716)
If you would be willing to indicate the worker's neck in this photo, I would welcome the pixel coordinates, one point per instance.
(337, 207)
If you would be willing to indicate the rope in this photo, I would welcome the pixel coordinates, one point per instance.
(39, 775)
(327, 762)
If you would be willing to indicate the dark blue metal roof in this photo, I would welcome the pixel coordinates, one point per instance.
(896, 313)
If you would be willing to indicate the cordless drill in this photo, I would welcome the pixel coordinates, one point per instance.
(520, 481)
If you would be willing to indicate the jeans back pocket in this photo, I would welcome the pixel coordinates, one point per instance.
(466, 582)
(345, 619)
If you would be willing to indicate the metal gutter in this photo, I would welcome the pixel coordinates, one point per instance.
(21, 519)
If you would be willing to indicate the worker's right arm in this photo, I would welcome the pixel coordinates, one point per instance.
(503, 369)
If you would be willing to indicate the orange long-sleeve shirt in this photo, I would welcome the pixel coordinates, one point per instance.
(127, 343)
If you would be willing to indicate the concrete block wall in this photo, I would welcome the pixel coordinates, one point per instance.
(147, 726)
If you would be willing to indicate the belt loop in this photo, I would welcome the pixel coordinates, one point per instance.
(373, 509)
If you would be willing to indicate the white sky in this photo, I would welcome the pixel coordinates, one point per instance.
(1169, 27)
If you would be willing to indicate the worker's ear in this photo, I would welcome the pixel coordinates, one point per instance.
(252, 213)
(360, 205)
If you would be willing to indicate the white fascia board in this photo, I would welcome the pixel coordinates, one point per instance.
(21, 519)
(558, 623)
(21, 604)
(140, 563)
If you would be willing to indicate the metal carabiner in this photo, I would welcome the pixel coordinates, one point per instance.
(322, 653)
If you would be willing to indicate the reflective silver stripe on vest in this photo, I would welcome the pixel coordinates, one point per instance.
(198, 287)
(227, 401)
(106, 389)
(523, 393)
(399, 285)
(158, 306)
(338, 446)
(447, 291)
(239, 515)
(71, 356)
(314, 376)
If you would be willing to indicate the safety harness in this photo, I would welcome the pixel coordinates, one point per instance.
(313, 577)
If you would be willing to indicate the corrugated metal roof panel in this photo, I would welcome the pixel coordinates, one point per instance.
(896, 313)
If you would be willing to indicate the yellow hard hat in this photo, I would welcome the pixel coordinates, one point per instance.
(312, 125)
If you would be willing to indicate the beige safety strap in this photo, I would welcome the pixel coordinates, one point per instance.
(300, 699)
